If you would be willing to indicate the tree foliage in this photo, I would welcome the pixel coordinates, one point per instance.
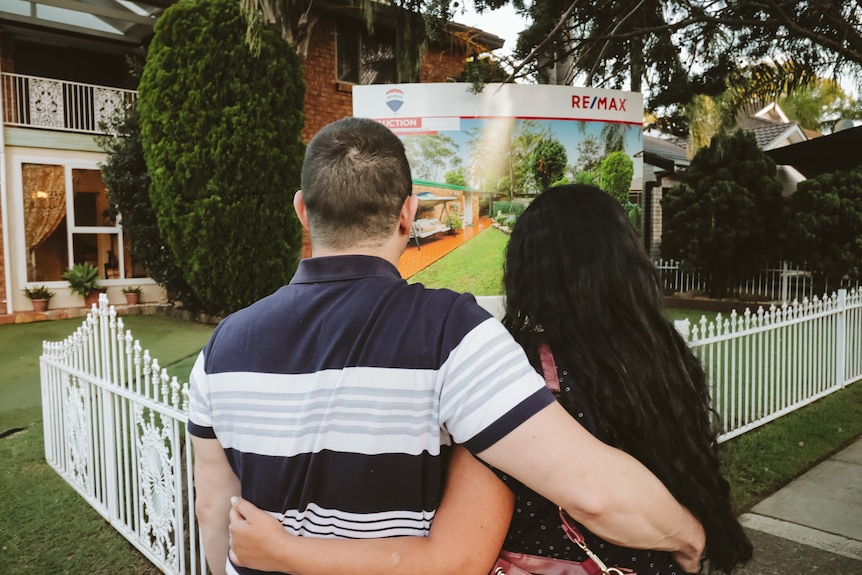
(819, 105)
(675, 49)
(726, 217)
(127, 179)
(431, 155)
(221, 137)
(824, 225)
(616, 176)
(548, 162)
(456, 177)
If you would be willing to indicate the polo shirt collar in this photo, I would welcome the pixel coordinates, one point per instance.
(341, 268)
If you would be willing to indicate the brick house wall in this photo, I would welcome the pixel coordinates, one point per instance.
(326, 99)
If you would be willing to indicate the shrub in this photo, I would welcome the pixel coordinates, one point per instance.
(548, 162)
(221, 132)
(726, 217)
(824, 225)
(127, 179)
(616, 176)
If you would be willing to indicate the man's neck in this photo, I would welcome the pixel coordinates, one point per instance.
(388, 252)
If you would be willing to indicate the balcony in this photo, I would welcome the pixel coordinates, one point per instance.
(33, 102)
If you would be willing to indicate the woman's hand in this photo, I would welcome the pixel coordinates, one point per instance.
(257, 539)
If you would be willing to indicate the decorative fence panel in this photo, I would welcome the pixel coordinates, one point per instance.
(34, 102)
(115, 431)
(764, 364)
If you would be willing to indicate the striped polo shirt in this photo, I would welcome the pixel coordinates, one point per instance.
(335, 397)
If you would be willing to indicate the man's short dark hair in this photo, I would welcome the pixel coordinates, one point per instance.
(355, 179)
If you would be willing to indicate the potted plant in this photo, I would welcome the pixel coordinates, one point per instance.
(39, 297)
(132, 293)
(83, 280)
(455, 223)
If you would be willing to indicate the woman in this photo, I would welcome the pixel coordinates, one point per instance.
(578, 282)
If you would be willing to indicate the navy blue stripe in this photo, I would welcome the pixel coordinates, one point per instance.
(304, 328)
(344, 481)
(512, 419)
(200, 431)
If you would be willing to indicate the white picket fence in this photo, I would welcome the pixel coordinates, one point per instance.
(115, 431)
(115, 422)
(764, 364)
(785, 282)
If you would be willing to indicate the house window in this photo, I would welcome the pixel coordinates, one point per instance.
(363, 59)
(67, 220)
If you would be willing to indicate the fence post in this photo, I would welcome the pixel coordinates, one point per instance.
(683, 326)
(841, 339)
(784, 281)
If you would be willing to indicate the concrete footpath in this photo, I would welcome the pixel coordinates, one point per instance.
(814, 524)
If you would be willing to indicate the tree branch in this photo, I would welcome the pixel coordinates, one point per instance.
(542, 44)
(605, 46)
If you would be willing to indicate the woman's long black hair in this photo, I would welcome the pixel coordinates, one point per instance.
(577, 278)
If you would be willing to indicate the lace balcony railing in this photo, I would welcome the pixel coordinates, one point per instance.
(34, 102)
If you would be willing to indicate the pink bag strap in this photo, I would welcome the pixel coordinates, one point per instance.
(549, 367)
(574, 534)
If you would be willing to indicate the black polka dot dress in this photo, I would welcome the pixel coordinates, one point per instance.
(535, 527)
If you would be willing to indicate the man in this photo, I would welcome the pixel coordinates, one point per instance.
(331, 402)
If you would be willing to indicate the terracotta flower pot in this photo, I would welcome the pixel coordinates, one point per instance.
(132, 298)
(93, 297)
(40, 304)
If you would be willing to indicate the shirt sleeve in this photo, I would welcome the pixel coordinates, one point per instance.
(488, 387)
(200, 414)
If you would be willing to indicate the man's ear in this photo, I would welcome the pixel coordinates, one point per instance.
(299, 206)
(408, 214)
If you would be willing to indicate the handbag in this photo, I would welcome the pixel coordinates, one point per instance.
(510, 563)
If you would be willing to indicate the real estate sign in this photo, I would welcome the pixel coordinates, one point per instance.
(508, 139)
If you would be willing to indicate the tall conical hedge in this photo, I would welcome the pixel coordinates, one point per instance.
(221, 131)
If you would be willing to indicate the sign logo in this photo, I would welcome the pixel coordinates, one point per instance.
(599, 103)
(394, 99)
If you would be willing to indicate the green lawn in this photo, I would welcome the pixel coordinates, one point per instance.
(459, 270)
(173, 342)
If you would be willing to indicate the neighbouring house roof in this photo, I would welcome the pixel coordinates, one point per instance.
(834, 152)
(768, 134)
(770, 125)
(755, 115)
(664, 153)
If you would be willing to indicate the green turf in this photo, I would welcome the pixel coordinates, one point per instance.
(475, 266)
(172, 341)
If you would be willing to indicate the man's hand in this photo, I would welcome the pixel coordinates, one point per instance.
(256, 537)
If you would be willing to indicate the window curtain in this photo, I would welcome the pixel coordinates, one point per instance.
(44, 201)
